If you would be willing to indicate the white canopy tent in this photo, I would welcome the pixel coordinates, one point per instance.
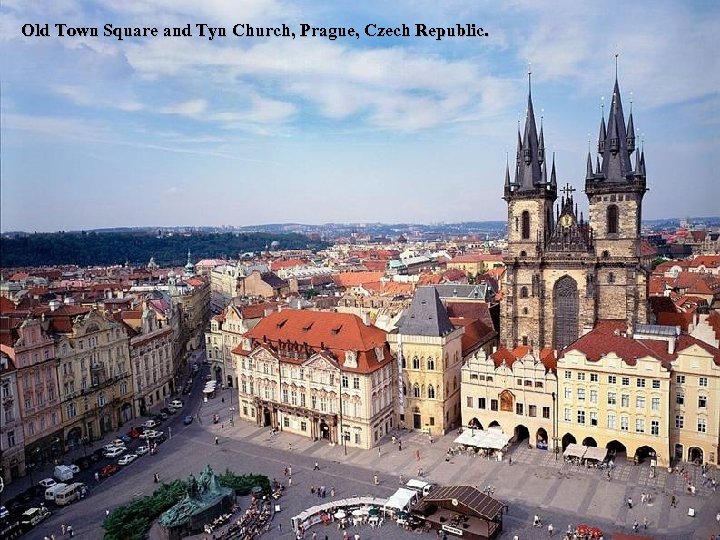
(598, 454)
(491, 438)
(575, 450)
(401, 499)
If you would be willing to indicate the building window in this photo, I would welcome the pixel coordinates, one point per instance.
(532, 411)
(679, 421)
(568, 415)
(581, 417)
(432, 420)
(481, 403)
(415, 362)
(593, 418)
(640, 402)
(546, 412)
(639, 425)
(469, 400)
(703, 381)
(702, 402)
(626, 381)
(431, 393)
(345, 382)
(303, 425)
(523, 292)
(431, 363)
(611, 277)
(581, 394)
(624, 423)
(285, 396)
(612, 219)
(680, 398)
(640, 383)
(525, 225)
(568, 392)
(493, 404)
(656, 384)
(538, 384)
(581, 376)
(680, 379)
(593, 377)
(286, 421)
(612, 398)
(611, 421)
(612, 379)
(702, 425)
(416, 390)
(356, 383)
(593, 396)
(519, 409)
(655, 427)
(625, 400)
(655, 404)
(568, 374)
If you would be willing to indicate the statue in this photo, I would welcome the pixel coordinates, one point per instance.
(199, 495)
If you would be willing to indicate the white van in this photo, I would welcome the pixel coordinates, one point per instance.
(63, 473)
(33, 516)
(70, 493)
(423, 488)
(52, 491)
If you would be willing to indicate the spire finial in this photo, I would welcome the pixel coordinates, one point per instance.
(602, 106)
(529, 78)
(616, 63)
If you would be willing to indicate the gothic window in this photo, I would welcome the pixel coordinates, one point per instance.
(605, 254)
(612, 219)
(611, 278)
(415, 362)
(565, 301)
(523, 254)
(523, 292)
(416, 390)
(431, 392)
(526, 225)
(430, 363)
(517, 224)
(525, 311)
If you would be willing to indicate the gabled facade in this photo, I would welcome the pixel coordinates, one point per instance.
(95, 374)
(512, 390)
(324, 375)
(12, 441)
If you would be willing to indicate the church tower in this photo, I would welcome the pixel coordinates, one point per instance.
(615, 192)
(565, 273)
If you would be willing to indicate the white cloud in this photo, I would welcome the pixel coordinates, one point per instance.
(192, 108)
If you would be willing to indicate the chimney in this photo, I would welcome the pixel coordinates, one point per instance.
(671, 345)
(366, 318)
(54, 304)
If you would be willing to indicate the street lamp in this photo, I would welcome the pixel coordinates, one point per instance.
(554, 423)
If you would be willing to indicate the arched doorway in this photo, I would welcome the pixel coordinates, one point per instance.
(541, 439)
(126, 413)
(695, 455)
(475, 424)
(616, 449)
(565, 303)
(267, 417)
(589, 441)
(643, 453)
(568, 439)
(73, 437)
(679, 452)
(218, 374)
(494, 424)
(324, 430)
(521, 433)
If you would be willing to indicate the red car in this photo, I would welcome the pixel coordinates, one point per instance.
(133, 433)
(109, 470)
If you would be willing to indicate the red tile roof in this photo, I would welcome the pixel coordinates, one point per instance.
(476, 334)
(477, 258)
(353, 279)
(292, 330)
(289, 263)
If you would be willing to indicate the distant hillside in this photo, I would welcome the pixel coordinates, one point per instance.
(92, 248)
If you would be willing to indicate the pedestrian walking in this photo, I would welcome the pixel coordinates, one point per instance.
(673, 502)
(536, 521)
(70, 530)
(636, 526)
(289, 480)
(399, 446)
(312, 490)
(97, 477)
(550, 529)
(510, 460)
(107, 512)
(375, 479)
(316, 467)
(645, 522)
(379, 453)
(280, 527)
(332, 491)
(417, 455)
(629, 502)
(63, 528)
(289, 470)
(217, 441)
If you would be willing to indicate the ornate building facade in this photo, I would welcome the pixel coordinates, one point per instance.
(12, 441)
(565, 273)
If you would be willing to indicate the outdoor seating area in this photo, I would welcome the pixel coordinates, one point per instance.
(353, 511)
(590, 456)
(491, 443)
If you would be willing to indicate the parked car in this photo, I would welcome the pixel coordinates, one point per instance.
(118, 442)
(52, 490)
(127, 459)
(115, 452)
(47, 482)
(63, 473)
(188, 420)
(163, 416)
(134, 433)
(155, 435)
(142, 450)
(109, 470)
(32, 517)
(74, 468)
(160, 439)
(125, 439)
(97, 455)
(176, 403)
(149, 424)
(82, 463)
(4, 512)
(149, 434)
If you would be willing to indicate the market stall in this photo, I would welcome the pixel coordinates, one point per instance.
(492, 440)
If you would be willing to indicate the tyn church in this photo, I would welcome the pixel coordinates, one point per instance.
(564, 273)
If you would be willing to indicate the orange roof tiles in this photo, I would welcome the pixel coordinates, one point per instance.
(293, 330)
(353, 279)
(286, 263)
(476, 258)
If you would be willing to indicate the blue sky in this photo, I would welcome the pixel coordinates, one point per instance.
(98, 132)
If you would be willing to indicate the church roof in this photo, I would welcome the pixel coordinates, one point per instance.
(426, 316)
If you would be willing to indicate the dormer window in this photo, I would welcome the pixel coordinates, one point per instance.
(527, 155)
(350, 359)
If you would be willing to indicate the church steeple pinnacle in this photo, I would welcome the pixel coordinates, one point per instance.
(530, 151)
(589, 171)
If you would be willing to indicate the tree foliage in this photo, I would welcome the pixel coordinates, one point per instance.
(87, 249)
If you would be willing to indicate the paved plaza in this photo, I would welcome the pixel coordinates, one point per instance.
(536, 483)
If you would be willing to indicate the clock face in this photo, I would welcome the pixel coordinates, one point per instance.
(455, 502)
(566, 220)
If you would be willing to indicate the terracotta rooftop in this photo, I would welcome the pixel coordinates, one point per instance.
(353, 279)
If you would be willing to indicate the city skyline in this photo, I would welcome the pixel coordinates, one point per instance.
(99, 132)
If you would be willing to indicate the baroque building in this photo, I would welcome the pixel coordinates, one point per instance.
(12, 442)
(323, 375)
(565, 273)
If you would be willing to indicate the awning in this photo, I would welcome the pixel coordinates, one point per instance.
(491, 438)
(598, 454)
(574, 450)
(401, 499)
